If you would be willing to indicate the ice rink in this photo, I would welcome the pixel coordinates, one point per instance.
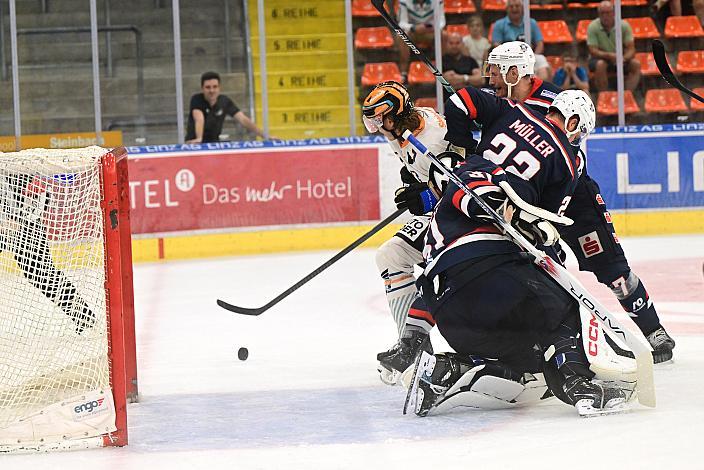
(309, 396)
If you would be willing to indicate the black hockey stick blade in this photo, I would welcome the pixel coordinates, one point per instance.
(379, 5)
(664, 68)
(318, 270)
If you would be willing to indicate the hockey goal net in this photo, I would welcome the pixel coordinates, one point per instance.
(67, 352)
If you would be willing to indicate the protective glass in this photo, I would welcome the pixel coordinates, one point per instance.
(373, 124)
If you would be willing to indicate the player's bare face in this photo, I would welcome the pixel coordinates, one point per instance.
(496, 81)
(211, 90)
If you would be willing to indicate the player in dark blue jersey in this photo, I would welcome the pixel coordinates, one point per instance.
(592, 237)
(487, 298)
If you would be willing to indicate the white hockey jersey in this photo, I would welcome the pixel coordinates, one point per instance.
(413, 12)
(431, 133)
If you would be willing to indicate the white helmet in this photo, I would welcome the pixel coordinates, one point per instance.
(576, 102)
(513, 54)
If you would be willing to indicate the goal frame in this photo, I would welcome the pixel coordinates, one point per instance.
(119, 289)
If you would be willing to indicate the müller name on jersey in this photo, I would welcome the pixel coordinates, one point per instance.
(528, 133)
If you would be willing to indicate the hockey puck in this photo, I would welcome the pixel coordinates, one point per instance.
(243, 354)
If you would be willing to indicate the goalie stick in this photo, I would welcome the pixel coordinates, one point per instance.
(664, 68)
(379, 5)
(315, 272)
(641, 351)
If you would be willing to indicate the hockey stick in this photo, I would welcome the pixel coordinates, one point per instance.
(379, 5)
(318, 270)
(641, 351)
(666, 72)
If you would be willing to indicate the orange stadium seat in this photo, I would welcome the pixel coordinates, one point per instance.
(697, 105)
(555, 31)
(461, 29)
(690, 62)
(460, 6)
(668, 100)
(555, 61)
(647, 63)
(582, 6)
(634, 3)
(430, 102)
(373, 38)
(380, 72)
(581, 32)
(549, 6)
(363, 8)
(607, 103)
(643, 28)
(683, 27)
(493, 5)
(419, 74)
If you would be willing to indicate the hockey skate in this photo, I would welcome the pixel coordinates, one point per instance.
(401, 357)
(449, 380)
(594, 399)
(662, 345)
(661, 342)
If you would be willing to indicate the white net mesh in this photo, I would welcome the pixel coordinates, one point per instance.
(53, 329)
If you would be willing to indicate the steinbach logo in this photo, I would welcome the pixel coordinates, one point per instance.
(88, 406)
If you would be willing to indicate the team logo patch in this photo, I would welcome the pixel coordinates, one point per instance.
(590, 244)
(600, 199)
(548, 94)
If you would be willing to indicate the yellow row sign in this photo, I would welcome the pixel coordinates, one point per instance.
(62, 141)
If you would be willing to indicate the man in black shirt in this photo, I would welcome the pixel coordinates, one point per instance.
(458, 69)
(208, 111)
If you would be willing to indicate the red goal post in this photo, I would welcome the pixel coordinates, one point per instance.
(67, 333)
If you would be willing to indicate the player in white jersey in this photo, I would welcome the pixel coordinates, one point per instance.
(389, 111)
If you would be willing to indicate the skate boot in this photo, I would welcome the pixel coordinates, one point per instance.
(434, 376)
(594, 399)
(662, 345)
(394, 362)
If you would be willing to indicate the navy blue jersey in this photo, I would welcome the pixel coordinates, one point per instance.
(460, 229)
(519, 140)
(541, 95)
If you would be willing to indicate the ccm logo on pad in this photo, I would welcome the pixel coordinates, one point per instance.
(590, 244)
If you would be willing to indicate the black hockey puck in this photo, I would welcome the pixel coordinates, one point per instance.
(243, 354)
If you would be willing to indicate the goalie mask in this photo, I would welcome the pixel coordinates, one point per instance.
(437, 180)
(571, 103)
(386, 99)
(511, 54)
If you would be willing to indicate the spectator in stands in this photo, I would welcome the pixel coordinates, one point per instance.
(510, 28)
(571, 76)
(475, 44)
(208, 111)
(698, 7)
(459, 69)
(417, 19)
(601, 40)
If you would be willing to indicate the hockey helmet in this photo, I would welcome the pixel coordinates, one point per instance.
(511, 54)
(576, 103)
(437, 179)
(386, 99)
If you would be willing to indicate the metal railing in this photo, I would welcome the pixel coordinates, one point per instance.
(139, 51)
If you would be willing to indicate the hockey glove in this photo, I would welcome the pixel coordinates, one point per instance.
(407, 177)
(533, 222)
(536, 230)
(417, 197)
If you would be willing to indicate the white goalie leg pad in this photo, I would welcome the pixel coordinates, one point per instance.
(396, 259)
(609, 367)
(489, 392)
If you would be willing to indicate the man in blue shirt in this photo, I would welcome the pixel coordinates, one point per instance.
(571, 76)
(511, 28)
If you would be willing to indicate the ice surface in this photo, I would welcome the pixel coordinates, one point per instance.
(309, 396)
